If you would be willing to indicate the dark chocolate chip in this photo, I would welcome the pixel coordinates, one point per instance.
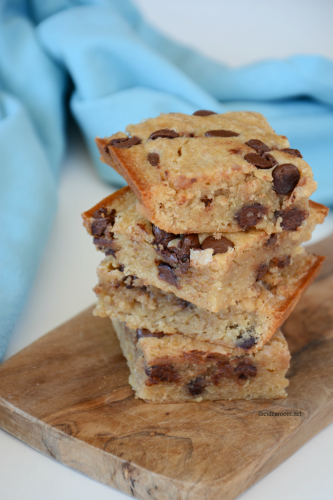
(204, 112)
(103, 242)
(250, 216)
(292, 218)
(108, 252)
(166, 273)
(165, 133)
(101, 213)
(184, 264)
(190, 241)
(121, 268)
(184, 304)
(124, 143)
(169, 256)
(128, 280)
(102, 221)
(206, 201)
(98, 227)
(161, 373)
(258, 161)
(292, 152)
(262, 270)
(162, 237)
(286, 178)
(221, 133)
(271, 241)
(281, 263)
(245, 371)
(196, 386)
(154, 159)
(259, 146)
(143, 332)
(219, 246)
(247, 343)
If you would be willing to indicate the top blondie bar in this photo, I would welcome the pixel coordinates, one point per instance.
(211, 172)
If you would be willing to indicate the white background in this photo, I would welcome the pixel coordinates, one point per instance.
(233, 32)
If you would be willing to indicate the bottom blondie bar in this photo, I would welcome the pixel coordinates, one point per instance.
(175, 368)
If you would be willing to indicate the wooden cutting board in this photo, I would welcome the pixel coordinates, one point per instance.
(67, 396)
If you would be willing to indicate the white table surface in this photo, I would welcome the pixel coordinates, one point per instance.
(63, 284)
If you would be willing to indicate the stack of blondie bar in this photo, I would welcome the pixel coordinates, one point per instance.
(203, 257)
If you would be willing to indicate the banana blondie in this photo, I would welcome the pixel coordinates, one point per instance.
(209, 172)
(210, 270)
(244, 327)
(174, 368)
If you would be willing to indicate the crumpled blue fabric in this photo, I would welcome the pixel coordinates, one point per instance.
(116, 70)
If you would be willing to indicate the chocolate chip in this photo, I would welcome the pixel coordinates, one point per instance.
(292, 152)
(258, 161)
(259, 146)
(121, 268)
(286, 178)
(221, 133)
(250, 216)
(262, 270)
(128, 280)
(102, 221)
(108, 252)
(169, 256)
(271, 241)
(104, 242)
(143, 332)
(184, 304)
(189, 241)
(281, 263)
(154, 159)
(98, 227)
(204, 112)
(206, 201)
(245, 371)
(165, 133)
(101, 213)
(166, 273)
(161, 373)
(162, 237)
(219, 246)
(247, 343)
(196, 386)
(292, 218)
(124, 143)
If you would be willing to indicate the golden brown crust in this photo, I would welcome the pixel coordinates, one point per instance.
(322, 209)
(304, 284)
(122, 164)
(106, 202)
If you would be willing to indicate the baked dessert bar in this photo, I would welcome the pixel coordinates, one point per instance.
(174, 368)
(212, 172)
(244, 327)
(209, 270)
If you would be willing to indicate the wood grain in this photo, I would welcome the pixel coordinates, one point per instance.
(67, 395)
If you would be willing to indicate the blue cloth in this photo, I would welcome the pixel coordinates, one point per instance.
(118, 70)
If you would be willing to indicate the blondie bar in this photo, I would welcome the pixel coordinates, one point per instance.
(209, 270)
(244, 327)
(212, 172)
(174, 368)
